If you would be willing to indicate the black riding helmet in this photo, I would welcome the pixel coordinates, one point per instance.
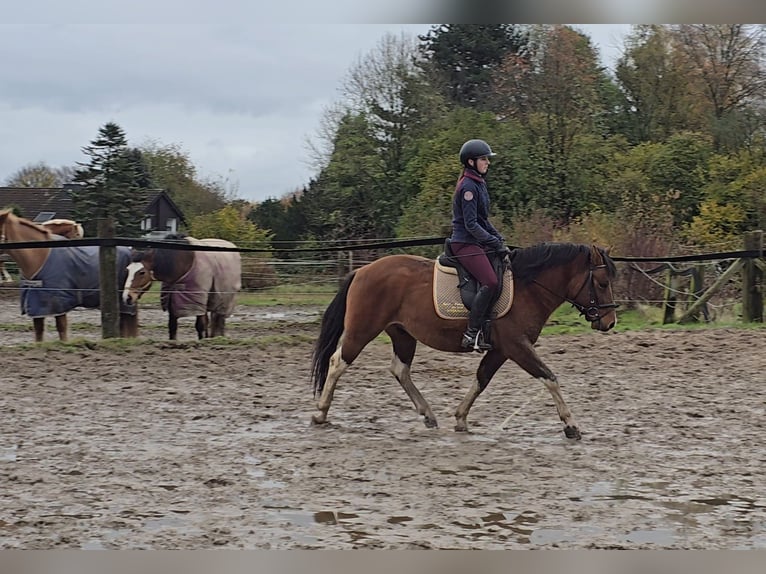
(473, 149)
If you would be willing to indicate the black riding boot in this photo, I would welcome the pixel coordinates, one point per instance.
(472, 338)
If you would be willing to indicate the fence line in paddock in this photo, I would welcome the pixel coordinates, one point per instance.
(349, 255)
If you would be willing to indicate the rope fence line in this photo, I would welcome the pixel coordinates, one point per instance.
(355, 246)
(307, 270)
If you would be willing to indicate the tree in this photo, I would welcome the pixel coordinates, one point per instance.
(284, 218)
(109, 183)
(655, 86)
(555, 95)
(171, 169)
(40, 175)
(727, 59)
(462, 60)
(228, 223)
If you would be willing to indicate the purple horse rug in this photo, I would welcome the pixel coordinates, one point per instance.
(69, 278)
(210, 284)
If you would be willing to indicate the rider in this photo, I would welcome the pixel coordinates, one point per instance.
(473, 236)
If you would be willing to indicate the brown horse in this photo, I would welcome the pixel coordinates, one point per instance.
(395, 294)
(193, 283)
(56, 280)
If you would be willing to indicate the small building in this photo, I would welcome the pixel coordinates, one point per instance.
(161, 214)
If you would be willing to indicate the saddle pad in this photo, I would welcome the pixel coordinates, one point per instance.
(447, 301)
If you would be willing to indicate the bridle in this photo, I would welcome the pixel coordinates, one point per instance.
(591, 310)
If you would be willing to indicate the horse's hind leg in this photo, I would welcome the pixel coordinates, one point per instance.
(201, 325)
(489, 365)
(404, 351)
(61, 327)
(217, 324)
(337, 367)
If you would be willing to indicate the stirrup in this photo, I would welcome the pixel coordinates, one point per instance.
(476, 342)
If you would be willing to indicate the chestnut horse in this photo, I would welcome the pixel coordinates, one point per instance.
(395, 294)
(63, 227)
(47, 291)
(193, 283)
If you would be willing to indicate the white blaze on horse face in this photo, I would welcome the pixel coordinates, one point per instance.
(137, 281)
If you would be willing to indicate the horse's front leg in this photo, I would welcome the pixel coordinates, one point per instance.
(172, 326)
(489, 365)
(39, 325)
(531, 363)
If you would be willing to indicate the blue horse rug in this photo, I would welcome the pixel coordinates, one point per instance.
(69, 278)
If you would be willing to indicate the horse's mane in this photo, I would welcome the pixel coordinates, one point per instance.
(25, 222)
(528, 262)
(166, 261)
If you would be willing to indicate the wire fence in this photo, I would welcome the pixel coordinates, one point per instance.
(323, 264)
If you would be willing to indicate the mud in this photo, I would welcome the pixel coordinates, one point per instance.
(190, 445)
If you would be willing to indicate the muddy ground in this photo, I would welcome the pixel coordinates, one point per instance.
(185, 446)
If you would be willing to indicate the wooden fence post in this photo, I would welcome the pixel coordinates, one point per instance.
(671, 287)
(107, 261)
(752, 280)
(695, 291)
(725, 276)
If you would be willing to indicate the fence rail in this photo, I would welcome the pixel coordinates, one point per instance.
(749, 262)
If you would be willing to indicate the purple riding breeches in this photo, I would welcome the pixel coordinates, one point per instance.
(476, 262)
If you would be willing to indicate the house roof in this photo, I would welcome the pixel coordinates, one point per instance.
(43, 203)
(32, 201)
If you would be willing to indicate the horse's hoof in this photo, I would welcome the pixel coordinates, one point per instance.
(318, 421)
(572, 432)
(461, 428)
(430, 423)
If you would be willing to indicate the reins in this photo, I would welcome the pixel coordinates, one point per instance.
(590, 311)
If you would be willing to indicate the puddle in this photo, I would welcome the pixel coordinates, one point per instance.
(254, 471)
(660, 536)
(8, 453)
(271, 428)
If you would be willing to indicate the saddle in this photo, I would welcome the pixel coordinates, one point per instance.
(455, 288)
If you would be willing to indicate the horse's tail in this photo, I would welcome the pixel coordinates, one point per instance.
(329, 335)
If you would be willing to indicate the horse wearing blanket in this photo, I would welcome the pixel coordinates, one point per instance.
(194, 282)
(56, 280)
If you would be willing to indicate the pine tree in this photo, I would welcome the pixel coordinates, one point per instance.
(110, 184)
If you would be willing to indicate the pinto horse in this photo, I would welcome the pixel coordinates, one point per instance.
(395, 294)
(56, 280)
(193, 283)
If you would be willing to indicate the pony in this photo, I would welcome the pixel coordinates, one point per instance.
(194, 282)
(56, 280)
(395, 294)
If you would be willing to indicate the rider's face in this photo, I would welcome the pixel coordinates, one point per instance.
(482, 164)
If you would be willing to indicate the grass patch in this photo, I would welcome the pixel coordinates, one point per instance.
(298, 294)
(567, 320)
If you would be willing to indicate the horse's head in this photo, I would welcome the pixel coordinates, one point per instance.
(137, 282)
(594, 298)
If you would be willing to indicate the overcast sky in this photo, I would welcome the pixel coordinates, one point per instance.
(241, 99)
